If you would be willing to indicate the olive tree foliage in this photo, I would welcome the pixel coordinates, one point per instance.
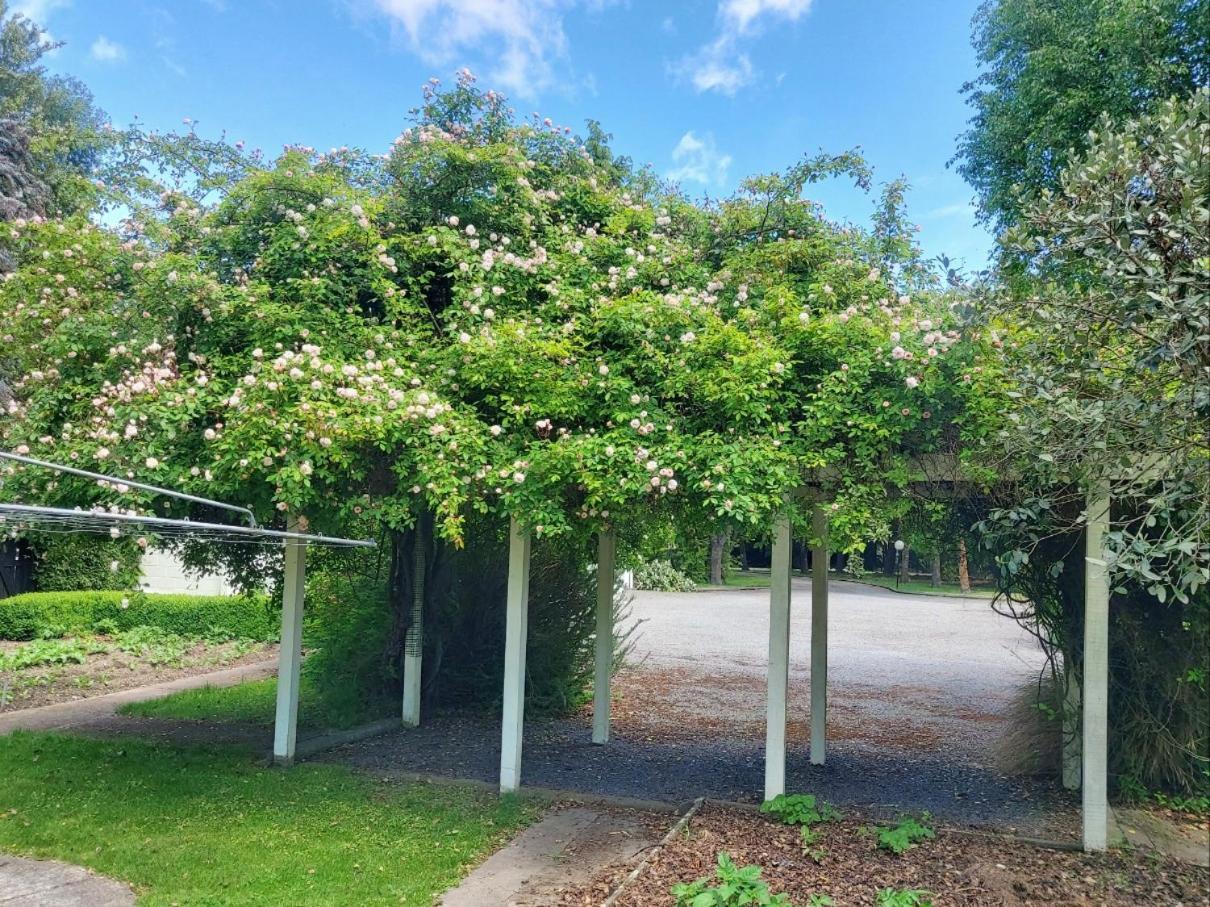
(1106, 299)
(1052, 68)
(1110, 357)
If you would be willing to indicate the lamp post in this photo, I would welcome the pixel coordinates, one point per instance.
(898, 554)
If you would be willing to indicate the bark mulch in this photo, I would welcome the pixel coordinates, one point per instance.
(959, 868)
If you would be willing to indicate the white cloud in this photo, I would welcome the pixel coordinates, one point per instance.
(717, 67)
(520, 40)
(107, 51)
(722, 65)
(741, 15)
(698, 160)
(38, 10)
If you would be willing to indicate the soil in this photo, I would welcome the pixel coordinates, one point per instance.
(108, 672)
(959, 868)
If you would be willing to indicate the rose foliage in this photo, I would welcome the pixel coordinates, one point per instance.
(496, 317)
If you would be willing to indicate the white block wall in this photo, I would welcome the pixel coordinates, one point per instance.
(163, 572)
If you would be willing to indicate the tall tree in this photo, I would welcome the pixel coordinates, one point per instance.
(1052, 68)
(64, 132)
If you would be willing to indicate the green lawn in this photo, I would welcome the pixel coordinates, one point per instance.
(210, 826)
(255, 702)
(916, 586)
(760, 579)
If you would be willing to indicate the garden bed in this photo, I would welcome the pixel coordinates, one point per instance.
(846, 865)
(45, 672)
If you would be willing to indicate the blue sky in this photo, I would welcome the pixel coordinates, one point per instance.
(707, 91)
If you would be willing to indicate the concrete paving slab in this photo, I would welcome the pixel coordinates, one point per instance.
(566, 846)
(46, 883)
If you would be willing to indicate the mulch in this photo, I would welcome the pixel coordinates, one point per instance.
(960, 868)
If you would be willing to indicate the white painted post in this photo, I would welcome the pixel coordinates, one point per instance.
(1096, 670)
(289, 655)
(607, 548)
(413, 644)
(515, 633)
(779, 659)
(819, 637)
(1071, 728)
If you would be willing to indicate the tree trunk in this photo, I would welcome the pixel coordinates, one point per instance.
(964, 573)
(743, 557)
(804, 559)
(718, 556)
(904, 557)
(935, 579)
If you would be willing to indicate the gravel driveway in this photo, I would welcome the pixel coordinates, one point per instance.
(944, 667)
(920, 686)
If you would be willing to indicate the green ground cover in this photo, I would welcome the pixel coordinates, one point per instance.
(215, 826)
(254, 702)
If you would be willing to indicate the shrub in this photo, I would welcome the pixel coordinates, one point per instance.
(36, 614)
(900, 838)
(735, 887)
(73, 563)
(904, 897)
(347, 625)
(800, 809)
(467, 642)
(661, 576)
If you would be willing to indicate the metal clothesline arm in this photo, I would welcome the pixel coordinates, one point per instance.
(104, 517)
(155, 489)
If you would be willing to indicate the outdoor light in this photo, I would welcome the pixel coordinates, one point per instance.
(898, 544)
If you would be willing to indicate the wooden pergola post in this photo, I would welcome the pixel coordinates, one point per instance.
(1095, 805)
(516, 631)
(289, 655)
(819, 636)
(413, 643)
(607, 548)
(779, 659)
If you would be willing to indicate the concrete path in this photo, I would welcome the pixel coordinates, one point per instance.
(45, 883)
(1152, 831)
(569, 845)
(80, 713)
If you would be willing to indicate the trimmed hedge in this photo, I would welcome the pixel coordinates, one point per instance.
(35, 614)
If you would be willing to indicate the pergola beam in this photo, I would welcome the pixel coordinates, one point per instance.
(289, 655)
(516, 631)
(1095, 805)
(607, 548)
(819, 636)
(779, 659)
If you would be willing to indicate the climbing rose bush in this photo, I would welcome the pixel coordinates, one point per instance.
(495, 316)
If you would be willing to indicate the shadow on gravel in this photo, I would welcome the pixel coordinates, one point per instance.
(559, 754)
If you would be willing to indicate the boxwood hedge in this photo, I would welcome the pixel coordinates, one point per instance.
(35, 614)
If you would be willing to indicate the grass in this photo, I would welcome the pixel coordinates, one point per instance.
(915, 586)
(759, 579)
(213, 827)
(254, 702)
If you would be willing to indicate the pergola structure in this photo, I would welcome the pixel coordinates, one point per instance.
(1091, 759)
(1087, 754)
